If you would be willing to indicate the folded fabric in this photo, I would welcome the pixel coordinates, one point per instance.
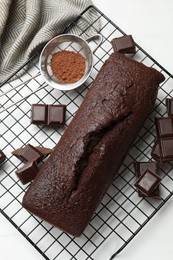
(26, 25)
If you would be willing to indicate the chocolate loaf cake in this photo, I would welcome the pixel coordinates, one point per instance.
(71, 184)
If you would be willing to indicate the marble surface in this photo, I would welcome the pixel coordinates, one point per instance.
(150, 23)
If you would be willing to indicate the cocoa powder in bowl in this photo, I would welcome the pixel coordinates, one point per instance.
(68, 66)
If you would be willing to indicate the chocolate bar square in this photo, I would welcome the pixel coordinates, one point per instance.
(147, 182)
(56, 114)
(163, 149)
(43, 150)
(28, 153)
(155, 152)
(169, 105)
(164, 126)
(124, 44)
(166, 148)
(27, 172)
(162, 155)
(140, 169)
(39, 114)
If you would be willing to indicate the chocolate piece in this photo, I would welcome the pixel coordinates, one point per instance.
(48, 114)
(157, 155)
(164, 129)
(28, 153)
(39, 114)
(124, 44)
(44, 150)
(56, 114)
(169, 105)
(164, 126)
(140, 169)
(147, 182)
(2, 156)
(27, 172)
(31, 153)
(166, 151)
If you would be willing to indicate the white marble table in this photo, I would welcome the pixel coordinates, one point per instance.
(150, 23)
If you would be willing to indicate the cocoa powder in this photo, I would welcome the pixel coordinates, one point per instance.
(68, 66)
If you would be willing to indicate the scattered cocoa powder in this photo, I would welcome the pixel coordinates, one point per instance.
(68, 66)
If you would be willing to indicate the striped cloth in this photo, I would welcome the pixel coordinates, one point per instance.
(26, 25)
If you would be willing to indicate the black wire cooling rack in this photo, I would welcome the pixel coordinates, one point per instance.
(121, 214)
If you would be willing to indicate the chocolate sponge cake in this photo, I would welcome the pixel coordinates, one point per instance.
(71, 184)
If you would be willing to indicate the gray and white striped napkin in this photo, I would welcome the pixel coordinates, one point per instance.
(25, 25)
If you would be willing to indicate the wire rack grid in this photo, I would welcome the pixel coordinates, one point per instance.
(121, 214)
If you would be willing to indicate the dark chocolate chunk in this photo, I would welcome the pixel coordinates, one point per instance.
(164, 126)
(163, 148)
(2, 156)
(28, 153)
(155, 153)
(39, 114)
(147, 182)
(140, 169)
(124, 44)
(44, 150)
(166, 149)
(56, 114)
(31, 153)
(169, 105)
(165, 154)
(48, 114)
(27, 172)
